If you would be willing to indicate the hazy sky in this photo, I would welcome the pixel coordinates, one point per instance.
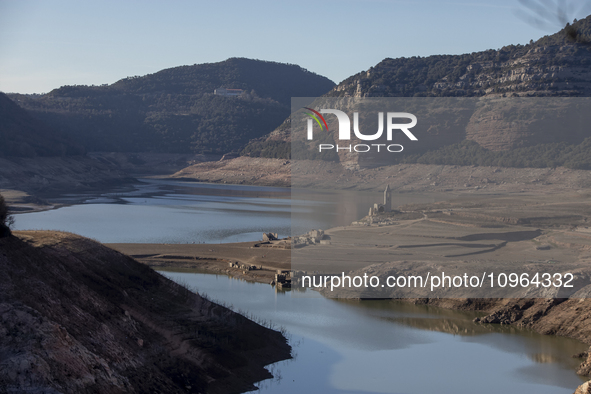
(47, 44)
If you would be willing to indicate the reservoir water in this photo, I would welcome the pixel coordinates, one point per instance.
(162, 211)
(355, 347)
(379, 346)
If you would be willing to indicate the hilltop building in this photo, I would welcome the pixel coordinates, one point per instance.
(228, 92)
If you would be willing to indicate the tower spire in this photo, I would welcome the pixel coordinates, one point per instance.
(387, 199)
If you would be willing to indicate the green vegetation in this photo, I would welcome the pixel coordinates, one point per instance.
(578, 32)
(175, 110)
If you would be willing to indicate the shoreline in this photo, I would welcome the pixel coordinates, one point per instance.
(431, 178)
(561, 317)
(34, 193)
(556, 317)
(212, 258)
(96, 312)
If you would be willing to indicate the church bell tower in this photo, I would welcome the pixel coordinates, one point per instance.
(387, 199)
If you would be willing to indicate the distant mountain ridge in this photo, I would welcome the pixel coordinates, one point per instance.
(553, 66)
(22, 135)
(175, 110)
(272, 80)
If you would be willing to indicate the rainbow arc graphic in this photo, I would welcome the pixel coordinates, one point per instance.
(316, 115)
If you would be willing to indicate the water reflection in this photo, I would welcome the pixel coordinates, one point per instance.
(170, 212)
(166, 211)
(378, 346)
(342, 346)
(538, 348)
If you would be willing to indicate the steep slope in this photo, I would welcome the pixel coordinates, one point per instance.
(553, 66)
(36, 157)
(22, 135)
(175, 110)
(77, 317)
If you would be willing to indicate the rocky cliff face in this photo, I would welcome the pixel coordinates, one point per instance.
(552, 66)
(585, 388)
(77, 317)
(530, 70)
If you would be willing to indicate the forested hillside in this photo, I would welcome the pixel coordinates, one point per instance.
(22, 135)
(175, 110)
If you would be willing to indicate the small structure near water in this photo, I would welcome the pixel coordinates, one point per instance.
(385, 207)
(282, 279)
(383, 214)
(272, 240)
(311, 238)
(242, 266)
(270, 237)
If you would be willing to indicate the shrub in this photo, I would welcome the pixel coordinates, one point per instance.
(6, 220)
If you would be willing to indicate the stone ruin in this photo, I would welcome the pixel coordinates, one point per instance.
(268, 237)
(272, 240)
(282, 279)
(311, 238)
(385, 207)
(245, 267)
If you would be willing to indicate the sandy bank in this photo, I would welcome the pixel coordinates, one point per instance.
(400, 177)
(212, 258)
